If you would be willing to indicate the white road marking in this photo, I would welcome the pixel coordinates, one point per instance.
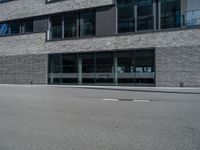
(141, 100)
(134, 100)
(110, 99)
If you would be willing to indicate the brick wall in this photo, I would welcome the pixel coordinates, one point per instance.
(177, 53)
(23, 69)
(28, 8)
(178, 64)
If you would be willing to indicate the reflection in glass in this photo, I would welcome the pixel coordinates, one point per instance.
(87, 24)
(70, 20)
(14, 28)
(88, 68)
(4, 29)
(170, 14)
(70, 68)
(125, 67)
(128, 67)
(144, 15)
(126, 19)
(27, 26)
(144, 67)
(56, 27)
(104, 67)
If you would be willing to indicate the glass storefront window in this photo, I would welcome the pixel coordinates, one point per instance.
(125, 67)
(70, 68)
(104, 67)
(88, 68)
(130, 67)
(69, 63)
(144, 67)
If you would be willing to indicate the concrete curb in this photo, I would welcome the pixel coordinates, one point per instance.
(118, 88)
(137, 89)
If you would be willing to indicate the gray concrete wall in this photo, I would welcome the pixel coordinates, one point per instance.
(28, 8)
(23, 69)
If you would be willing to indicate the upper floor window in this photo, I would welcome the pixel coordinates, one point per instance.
(4, 29)
(16, 27)
(170, 14)
(87, 24)
(56, 26)
(135, 15)
(2, 1)
(27, 26)
(144, 15)
(126, 16)
(72, 25)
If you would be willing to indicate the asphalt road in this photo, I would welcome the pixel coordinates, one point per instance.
(54, 118)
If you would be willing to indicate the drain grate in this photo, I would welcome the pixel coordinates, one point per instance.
(128, 100)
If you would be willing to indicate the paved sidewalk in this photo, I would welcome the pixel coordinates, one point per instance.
(182, 90)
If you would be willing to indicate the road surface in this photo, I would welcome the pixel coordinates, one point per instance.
(64, 118)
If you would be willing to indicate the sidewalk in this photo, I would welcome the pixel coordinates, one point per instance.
(179, 90)
(136, 89)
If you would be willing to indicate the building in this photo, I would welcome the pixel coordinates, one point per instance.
(100, 42)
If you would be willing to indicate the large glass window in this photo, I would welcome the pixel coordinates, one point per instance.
(2, 1)
(170, 14)
(56, 27)
(135, 15)
(70, 25)
(126, 18)
(125, 67)
(4, 29)
(27, 26)
(55, 68)
(88, 68)
(144, 15)
(69, 68)
(87, 24)
(144, 67)
(104, 67)
(14, 28)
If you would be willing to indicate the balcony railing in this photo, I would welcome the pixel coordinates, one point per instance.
(191, 18)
